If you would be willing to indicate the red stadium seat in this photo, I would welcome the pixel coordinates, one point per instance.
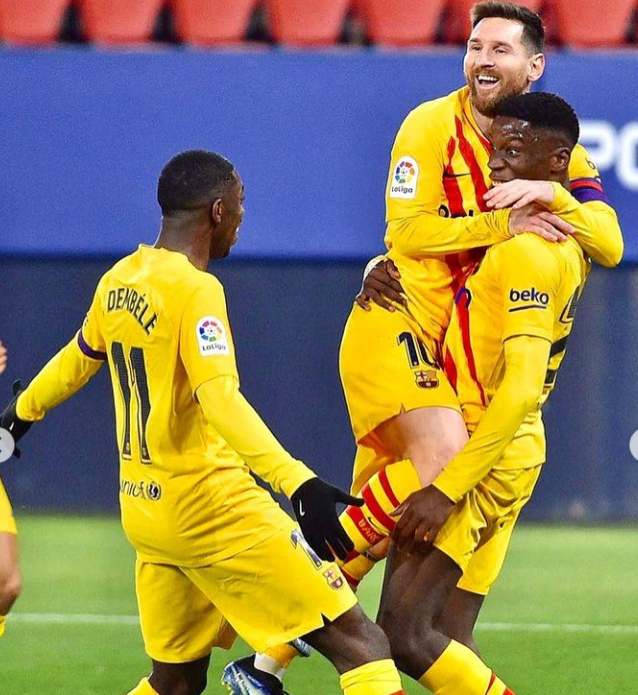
(459, 25)
(119, 21)
(212, 21)
(593, 22)
(31, 21)
(402, 22)
(306, 22)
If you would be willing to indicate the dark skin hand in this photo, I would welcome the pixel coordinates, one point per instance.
(382, 286)
(422, 516)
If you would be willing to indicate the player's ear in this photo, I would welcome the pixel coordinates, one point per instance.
(560, 160)
(217, 212)
(536, 67)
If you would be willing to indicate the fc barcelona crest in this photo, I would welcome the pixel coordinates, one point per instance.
(426, 379)
(334, 579)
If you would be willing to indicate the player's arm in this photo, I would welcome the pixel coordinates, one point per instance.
(526, 359)
(213, 376)
(414, 225)
(524, 263)
(586, 208)
(65, 374)
(244, 430)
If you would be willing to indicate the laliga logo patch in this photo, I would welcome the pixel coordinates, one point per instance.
(404, 178)
(211, 337)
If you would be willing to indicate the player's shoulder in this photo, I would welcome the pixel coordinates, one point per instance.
(435, 115)
(581, 165)
(526, 249)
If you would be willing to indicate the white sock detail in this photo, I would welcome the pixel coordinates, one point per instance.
(265, 663)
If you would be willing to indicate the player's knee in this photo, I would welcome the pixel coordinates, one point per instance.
(409, 642)
(351, 641)
(10, 587)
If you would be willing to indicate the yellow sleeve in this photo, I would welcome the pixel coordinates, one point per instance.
(226, 409)
(206, 343)
(64, 375)
(68, 371)
(414, 195)
(529, 282)
(587, 208)
(525, 367)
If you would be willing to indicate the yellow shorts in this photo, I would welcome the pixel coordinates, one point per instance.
(478, 532)
(7, 520)
(388, 365)
(270, 594)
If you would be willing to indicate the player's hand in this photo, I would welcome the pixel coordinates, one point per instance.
(422, 516)
(519, 193)
(380, 285)
(3, 357)
(314, 504)
(537, 220)
(11, 422)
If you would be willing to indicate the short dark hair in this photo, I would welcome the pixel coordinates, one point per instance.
(191, 178)
(542, 110)
(533, 27)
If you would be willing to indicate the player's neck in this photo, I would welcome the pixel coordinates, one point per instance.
(483, 122)
(196, 247)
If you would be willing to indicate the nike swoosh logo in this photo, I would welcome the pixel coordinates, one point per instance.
(301, 511)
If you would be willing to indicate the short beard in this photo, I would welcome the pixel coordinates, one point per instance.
(489, 107)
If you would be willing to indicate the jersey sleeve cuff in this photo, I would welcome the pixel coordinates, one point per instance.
(299, 474)
(446, 484)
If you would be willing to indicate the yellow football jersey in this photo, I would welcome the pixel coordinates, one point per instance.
(186, 496)
(523, 287)
(438, 176)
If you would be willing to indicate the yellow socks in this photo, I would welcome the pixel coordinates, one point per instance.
(383, 493)
(3, 622)
(459, 671)
(375, 678)
(368, 525)
(144, 688)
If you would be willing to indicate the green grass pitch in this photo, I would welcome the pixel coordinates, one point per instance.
(563, 619)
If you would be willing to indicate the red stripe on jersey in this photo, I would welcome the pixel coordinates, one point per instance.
(586, 183)
(375, 508)
(451, 185)
(369, 534)
(456, 271)
(462, 310)
(492, 679)
(450, 369)
(387, 488)
(480, 187)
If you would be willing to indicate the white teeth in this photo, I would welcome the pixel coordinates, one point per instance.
(487, 79)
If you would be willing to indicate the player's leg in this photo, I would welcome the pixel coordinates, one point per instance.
(298, 595)
(404, 413)
(512, 490)
(10, 579)
(180, 626)
(459, 615)
(416, 588)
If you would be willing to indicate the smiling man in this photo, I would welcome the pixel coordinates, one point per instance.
(512, 317)
(405, 415)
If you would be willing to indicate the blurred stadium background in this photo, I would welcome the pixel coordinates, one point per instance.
(305, 97)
